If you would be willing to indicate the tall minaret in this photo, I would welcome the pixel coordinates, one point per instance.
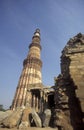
(31, 73)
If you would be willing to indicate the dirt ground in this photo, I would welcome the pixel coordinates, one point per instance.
(30, 128)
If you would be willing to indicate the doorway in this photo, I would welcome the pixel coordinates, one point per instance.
(51, 102)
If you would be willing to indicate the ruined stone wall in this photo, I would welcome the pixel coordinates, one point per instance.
(74, 65)
(77, 74)
(69, 87)
(72, 70)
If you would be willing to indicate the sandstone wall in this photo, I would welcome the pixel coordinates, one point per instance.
(72, 71)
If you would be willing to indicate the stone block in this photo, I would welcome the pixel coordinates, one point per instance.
(80, 92)
(82, 103)
(25, 121)
(62, 120)
(4, 115)
(24, 125)
(12, 120)
(36, 118)
(46, 119)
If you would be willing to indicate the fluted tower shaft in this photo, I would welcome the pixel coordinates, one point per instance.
(31, 73)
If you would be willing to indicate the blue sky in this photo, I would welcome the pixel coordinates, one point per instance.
(58, 21)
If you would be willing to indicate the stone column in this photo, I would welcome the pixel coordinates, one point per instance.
(34, 101)
(36, 104)
(28, 99)
(41, 101)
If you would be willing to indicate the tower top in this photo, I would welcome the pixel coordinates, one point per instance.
(37, 32)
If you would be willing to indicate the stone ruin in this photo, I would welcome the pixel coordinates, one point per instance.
(61, 106)
(69, 86)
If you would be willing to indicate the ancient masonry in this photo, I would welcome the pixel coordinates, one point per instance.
(60, 106)
(30, 91)
(69, 86)
(31, 77)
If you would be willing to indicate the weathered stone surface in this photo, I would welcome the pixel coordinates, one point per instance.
(30, 76)
(36, 118)
(82, 105)
(46, 118)
(12, 120)
(24, 125)
(62, 120)
(25, 122)
(72, 68)
(4, 115)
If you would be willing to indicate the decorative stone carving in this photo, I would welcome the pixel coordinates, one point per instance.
(31, 73)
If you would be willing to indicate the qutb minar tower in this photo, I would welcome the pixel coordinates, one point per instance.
(31, 77)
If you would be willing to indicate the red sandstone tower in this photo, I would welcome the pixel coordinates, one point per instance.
(31, 74)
